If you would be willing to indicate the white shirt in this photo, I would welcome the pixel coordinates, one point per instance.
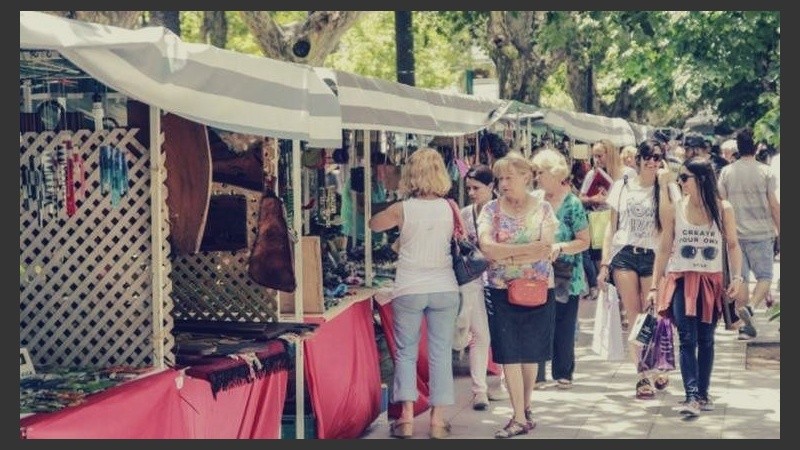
(635, 206)
(695, 248)
(424, 264)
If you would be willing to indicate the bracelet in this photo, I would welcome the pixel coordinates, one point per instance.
(737, 277)
(604, 265)
(653, 289)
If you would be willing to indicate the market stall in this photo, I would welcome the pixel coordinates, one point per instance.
(95, 257)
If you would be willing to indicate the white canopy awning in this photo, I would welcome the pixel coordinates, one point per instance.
(590, 127)
(220, 88)
(375, 104)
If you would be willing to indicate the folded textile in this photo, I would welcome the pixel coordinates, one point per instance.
(225, 372)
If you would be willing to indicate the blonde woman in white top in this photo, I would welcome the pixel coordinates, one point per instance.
(424, 286)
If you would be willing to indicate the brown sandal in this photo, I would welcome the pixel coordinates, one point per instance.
(644, 390)
(401, 430)
(661, 381)
(513, 428)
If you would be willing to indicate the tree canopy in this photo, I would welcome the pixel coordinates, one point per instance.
(657, 67)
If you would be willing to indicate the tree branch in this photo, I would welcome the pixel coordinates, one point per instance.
(268, 33)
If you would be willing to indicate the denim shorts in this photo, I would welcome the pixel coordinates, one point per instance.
(637, 259)
(758, 257)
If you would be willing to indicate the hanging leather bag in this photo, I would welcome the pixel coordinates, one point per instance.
(271, 264)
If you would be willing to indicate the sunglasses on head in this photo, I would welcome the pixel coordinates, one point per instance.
(654, 156)
(684, 177)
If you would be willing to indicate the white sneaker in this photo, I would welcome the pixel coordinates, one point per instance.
(480, 402)
(499, 393)
(689, 408)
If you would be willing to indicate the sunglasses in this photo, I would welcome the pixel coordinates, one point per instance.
(655, 157)
(684, 177)
(690, 251)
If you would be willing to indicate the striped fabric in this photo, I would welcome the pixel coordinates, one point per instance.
(590, 127)
(220, 88)
(375, 104)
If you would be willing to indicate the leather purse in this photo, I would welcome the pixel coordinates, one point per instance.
(529, 293)
(469, 263)
(270, 263)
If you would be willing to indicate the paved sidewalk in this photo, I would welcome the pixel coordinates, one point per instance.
(602, 404)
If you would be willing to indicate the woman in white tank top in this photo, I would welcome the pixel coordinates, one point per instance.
(424, 286)
(687, 275)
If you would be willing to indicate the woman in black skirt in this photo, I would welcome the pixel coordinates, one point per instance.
(516, 233)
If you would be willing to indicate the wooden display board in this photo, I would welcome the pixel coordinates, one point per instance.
(313, 299)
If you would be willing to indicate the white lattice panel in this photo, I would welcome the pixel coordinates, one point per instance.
(85, 281)
(216, 286)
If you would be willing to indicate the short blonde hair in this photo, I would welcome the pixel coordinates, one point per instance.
(551, 161)
(628, 151)
(513, 160)
(425, 174)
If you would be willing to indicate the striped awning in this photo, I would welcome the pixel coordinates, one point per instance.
(590, 127)
(375, 104)
(220, 88)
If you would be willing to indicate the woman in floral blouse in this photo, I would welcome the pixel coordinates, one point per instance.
(516, 233)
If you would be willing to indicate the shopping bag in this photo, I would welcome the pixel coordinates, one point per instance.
(598, 221)
(644, 327)
(659, 353)
(607, 333)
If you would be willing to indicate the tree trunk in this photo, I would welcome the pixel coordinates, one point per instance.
(522, 69)
(404, 47)
(580, 85)
(318, 35)
(170, 20)
(215, 28)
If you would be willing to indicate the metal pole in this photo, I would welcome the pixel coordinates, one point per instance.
(297, 225)
(366, 147)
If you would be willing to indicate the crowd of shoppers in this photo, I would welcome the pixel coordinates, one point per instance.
(678, 214)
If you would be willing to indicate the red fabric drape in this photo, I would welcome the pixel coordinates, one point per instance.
(422, 404)
(147, 408)
(248, 411)
(342, 373)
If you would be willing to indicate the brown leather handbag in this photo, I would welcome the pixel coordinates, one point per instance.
(271, 264)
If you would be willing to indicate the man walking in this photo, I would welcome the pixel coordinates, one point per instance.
(750, 187)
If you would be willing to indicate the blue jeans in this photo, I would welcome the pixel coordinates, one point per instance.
(440, 310)
(696, 345)
(562, 365)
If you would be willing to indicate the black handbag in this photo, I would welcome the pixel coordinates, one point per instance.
(562, 276)
(469, 263)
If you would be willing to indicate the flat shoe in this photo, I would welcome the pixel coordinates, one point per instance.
(661, 382)
(563, 383)
(440, 431)
(402, 430)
